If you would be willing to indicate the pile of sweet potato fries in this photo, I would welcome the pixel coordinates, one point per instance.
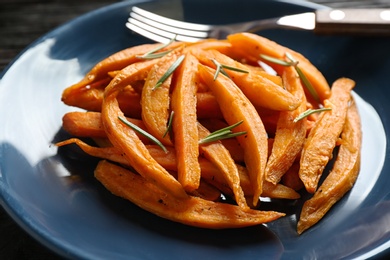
(180, 126)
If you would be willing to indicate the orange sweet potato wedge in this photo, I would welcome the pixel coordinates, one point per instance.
(259, 89)
(291, 177)
(116, 61)
(192, 211)
(318, 148)
(216, 153)
(290, 136)
(89, 124)
(184, 124)
(236, 107)
(341, 178)
(223, 46)
(125, 138)
(155, 101)
(213, 175)
(252, 45)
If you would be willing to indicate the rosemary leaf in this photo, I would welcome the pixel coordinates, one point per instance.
(142, 132)
(221, 134)
(152, 54)
(221, 69)
(304, 79)
(169, 127)
(276, 60)
(169, 72)
(308, 85)
(294, 62)
(210, 139)
(309, 112)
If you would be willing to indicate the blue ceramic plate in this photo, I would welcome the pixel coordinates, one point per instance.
(52, 194)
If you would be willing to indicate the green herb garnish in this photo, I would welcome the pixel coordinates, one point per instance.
(221, 134)
(169, 126)
(154, 54)
(169, 71)
(221, 69)
(309, 112)
(142, 132)
(294, 63)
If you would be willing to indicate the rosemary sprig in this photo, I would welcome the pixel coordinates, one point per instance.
(221, 134)
(169, 126)
(294, 62)
(169, 72)
(221, 69)
(142, 132)
(309, 112)
(154, 54)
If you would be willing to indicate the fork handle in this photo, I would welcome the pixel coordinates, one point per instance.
(353, 21)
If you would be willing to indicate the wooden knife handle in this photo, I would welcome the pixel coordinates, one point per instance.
(353, 21)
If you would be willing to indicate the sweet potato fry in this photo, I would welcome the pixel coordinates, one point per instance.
(214, 176)
(291, 177)
(259, 89)
(155, 101)
(220, 157)
(222, 46)
(236, 107)
(341, 178)
(185, 124)
(191, 211)
(318, 148)
(252, 45)
(100, 71)
(207, 106)
(89, 124)
(231, 144)
(126, 139)
(290, 135)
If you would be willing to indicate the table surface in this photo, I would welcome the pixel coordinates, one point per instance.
(21, 23)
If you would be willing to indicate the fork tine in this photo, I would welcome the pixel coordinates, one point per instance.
(150, 35)
(164, 27)
(156, 34)
(171, 22)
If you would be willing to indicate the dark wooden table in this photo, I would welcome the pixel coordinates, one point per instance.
(21, 23)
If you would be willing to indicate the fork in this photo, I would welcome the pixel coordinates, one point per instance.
(163, 29)
(352, 21)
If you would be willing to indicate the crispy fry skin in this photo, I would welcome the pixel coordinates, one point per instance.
(251, 46)
(126, 139)
(318, 148)
(191, 211)
(342, 177)
(290, 135)
(185, 124)
(259, 89)
(236, 107)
